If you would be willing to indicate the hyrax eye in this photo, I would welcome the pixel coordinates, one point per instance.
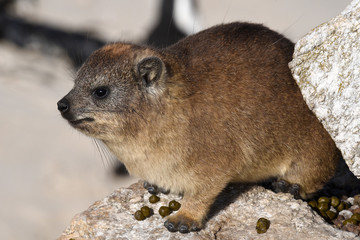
(101, 92)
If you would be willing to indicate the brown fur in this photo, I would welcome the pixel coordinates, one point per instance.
(220, 106)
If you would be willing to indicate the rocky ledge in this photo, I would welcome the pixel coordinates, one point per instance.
(234, 216)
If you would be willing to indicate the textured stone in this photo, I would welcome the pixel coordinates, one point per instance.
(234, 216)
(326, 66)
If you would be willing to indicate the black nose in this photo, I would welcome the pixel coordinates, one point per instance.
(63, 105)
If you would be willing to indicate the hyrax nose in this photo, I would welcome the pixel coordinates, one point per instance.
(63, 105)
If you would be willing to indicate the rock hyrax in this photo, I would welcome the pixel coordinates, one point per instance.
(219, 106)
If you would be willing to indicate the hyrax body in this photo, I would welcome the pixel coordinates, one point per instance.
(220, 106)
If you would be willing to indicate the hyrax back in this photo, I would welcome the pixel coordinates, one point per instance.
(220, 106)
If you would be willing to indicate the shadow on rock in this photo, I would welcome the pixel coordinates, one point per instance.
(228, 196)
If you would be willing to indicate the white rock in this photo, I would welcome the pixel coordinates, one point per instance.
(326, 67)
(346, 214)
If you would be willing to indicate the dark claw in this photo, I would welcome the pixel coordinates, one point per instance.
(280, 186)
(195, 229)
(170, 226)
(164, 191)
(285, 187)
(146, 185)
(294, 189)
(183, 225)
(153, 189)
(184, 229)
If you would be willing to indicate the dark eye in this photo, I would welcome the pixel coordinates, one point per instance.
(101, 92)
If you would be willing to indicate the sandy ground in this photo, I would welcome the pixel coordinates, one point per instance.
(48, 171)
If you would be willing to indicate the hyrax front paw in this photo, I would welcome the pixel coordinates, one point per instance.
(194, 210)
(183, 223)
(153, 189)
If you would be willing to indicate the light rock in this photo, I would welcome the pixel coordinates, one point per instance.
(234, 216)
(346, 214)
(326, 66)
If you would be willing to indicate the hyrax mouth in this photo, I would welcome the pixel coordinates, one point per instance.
(79, 121)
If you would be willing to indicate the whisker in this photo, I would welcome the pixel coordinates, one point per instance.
(286, 30)
(109, 156)
(276, 42)
(227, 11)
(99, 150)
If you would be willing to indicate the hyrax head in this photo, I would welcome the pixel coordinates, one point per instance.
(113, 88)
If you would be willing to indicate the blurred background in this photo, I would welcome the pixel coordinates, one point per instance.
(48, 171)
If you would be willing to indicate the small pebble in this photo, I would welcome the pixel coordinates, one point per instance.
(323, 206)
(323, 200)
(262, 225)
(356, 216)
(350, 221)
(174, 205)
(154, 199)
(357, 199)
(343, 205)
(338, 222)
(356, 210)
(351, 228)
(146, 211)
(139, 215)
(313, 203)
(331, 214)
(335, 201)
(350, 200)
(164, 211)
(346, 214)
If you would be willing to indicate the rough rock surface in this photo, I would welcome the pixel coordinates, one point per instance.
(234, 217)
(326, 66)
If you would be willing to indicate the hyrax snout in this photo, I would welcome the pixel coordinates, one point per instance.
(219, 106)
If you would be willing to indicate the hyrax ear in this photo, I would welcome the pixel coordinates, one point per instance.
(150, 70)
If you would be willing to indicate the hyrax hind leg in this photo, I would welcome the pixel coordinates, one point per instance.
(308, 177)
